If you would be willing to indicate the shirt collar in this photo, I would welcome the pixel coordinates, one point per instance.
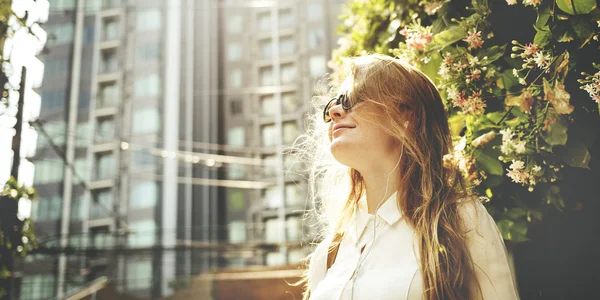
(388, 211)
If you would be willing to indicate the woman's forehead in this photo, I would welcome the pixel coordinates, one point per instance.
(346, 86)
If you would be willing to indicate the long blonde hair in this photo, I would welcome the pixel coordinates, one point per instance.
(428, 193)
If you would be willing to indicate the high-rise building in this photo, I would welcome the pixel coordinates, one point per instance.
(162, 124)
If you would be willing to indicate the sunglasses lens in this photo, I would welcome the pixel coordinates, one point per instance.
(326, 116)
(345, 101)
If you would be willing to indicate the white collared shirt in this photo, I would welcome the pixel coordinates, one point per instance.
(389, 267)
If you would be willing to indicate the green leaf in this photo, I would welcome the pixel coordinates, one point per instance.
(575, 154)
(493, 181)
(449, 37)
(515, 231)
(432, 67)
(493, 53)
(580, 6)
(553, 196)
(516, 213)
(543, 15)
(456, 123)
(542, 38)
(509, 80)
(556, 133)
(489, 164)
(583, 29)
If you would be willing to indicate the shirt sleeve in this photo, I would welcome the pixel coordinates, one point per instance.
(488, 253)
(317, 267)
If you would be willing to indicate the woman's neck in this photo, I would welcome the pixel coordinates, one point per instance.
(376, 189)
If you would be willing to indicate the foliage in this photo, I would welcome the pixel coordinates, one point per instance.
(511, 78)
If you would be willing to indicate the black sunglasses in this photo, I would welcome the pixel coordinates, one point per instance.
(341, 99)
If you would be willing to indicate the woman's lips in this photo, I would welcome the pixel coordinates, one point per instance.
(340, 130)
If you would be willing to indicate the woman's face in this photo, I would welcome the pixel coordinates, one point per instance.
(357, 136)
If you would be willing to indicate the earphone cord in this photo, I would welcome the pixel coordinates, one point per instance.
(375, 224)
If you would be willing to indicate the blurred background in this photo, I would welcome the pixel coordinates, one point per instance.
(173, 114)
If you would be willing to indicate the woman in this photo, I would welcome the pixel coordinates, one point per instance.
(408, 228)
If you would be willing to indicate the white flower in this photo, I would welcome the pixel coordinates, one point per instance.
(517, 165)
(536, 168)
(511, 2)
(520, 147)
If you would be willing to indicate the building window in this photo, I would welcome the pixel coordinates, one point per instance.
(295, 256)
(142, 159)
(235, 78)
(270, 165)
(146, 120)
(236, 107)
(235, 171)
(77, 212)
(287, 45)
(46, 208)
(288, 101)
(148, 51)
(290, 132)
(314, 12)
(275, 259)
(268, 106)
(143, 194)
(271, 198)
(81, 167)
(236, 202)
(35, 287)
(110, 29)
(293, 195)
(109, 62)
(316, 37)
(145, 234)
(63, 34)
(53, 100)
(56, 66)
(236, 136)
(102, 204)
(148, 20)
(273, 231)
(234, 52)
(235, 23)
(108, 95)
(139, 274)
(267, 133)
(266, 76)
(286, 18)
(105, 165)
(264, 22)
(317, 66)
(48, 171)
(293, 228)
(266, 48)
(288, 73)
(105, 129)
(237, 231)
(147, 86)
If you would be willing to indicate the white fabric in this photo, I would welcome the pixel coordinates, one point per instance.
(390, 269)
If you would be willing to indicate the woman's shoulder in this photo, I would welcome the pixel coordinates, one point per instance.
(474, 215)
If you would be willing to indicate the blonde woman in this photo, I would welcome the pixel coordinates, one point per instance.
(406, 228)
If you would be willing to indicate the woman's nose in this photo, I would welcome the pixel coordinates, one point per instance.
(337, 111)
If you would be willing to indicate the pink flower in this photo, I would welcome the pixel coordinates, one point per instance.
(530, 49)
(431, 8)
(417, 37)
(474, 39)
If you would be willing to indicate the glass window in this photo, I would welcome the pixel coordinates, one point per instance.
(46, 208)
(273, 230)
(293, 228)
(234, 51)
(57, 130)
(270, 165)
(235, 78)
(105, 128)
(290, 132)
(83, 136)
(236, 106)
(266, 48)
(314, 11)
(62, 34)
(102, 204)
(81, 167)
(268, 106)
(236, 136)
(288, 73)
(237, 231)
(289, 103)
(147, 51)
(317, 65)
(35, 287)
(287, 45)
(286, 18)
(63, 4)
(144, 234)
(235, 171)
(297, 255)
(275, 259)
(147, 86)
(143, 194)
(56, 66)
(105, 166)
(53, 100)
(148, 20)
(146, 120)
(109, 62)
(267, 133)
(293, 195)
(139, 274)
(271, 198)
(142, 158)
(264, 22)
(77, 212)
(236, 201)
(110, 29)
(108, 95)
(48, 171)
(266, 76)
(235, 23)
(316, 37)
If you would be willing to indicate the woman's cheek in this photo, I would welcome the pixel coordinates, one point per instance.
(330, 132)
